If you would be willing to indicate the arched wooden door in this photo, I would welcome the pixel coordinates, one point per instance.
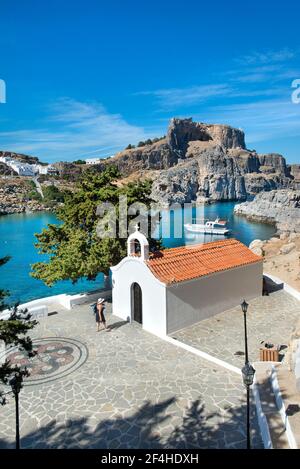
(136, 303)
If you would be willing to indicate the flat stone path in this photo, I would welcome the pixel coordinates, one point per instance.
(269, 318)
(123, 389)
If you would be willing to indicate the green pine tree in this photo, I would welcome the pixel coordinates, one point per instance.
(13, 332)
(73, 247)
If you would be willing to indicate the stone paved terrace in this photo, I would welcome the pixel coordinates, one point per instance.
(122, 389)
(269, 318)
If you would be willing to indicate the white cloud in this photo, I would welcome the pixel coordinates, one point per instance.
(260, 75)
(261, 120)
(267, 57)
(74, 130)
(255, 95)
(253, 77)
(176, 97)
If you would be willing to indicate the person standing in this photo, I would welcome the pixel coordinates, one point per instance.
(100, 318)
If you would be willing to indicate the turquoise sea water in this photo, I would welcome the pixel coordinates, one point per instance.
(17, 240)
(241, 229)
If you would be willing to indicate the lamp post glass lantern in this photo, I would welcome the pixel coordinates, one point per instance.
(248, 373)
(16, 384)
(244, 306)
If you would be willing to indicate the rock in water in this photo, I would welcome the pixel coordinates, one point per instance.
(279, 207)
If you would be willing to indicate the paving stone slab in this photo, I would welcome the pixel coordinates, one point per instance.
(269, 318)
(132, 390)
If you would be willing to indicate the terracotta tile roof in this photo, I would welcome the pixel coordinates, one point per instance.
(188, 262)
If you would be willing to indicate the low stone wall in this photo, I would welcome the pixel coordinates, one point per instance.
(293, 354)
(282, 410)
(40, 308)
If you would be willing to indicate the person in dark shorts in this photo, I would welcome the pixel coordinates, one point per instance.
(99, 313)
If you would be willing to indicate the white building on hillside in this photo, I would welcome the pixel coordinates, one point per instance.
(22, 169)
(178, 287)
(39, 169)
(93, 160)
(97, 160)
(45, 169)
(26, 169)
(4, 159)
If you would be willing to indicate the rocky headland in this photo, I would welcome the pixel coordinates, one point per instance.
(281, 253)
(204, 162)
(278, 207)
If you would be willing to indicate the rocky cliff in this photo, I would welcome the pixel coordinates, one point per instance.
(194, 162)
(279, 207)
(183, 131)
(198, 161)
(159, 156)
(14, 197)
(294, 171)
(69, 171)
(6, 170)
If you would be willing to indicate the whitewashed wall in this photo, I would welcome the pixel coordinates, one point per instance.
(190, 302)
(131, 270)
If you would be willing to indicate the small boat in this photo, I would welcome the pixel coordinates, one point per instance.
(217, 227)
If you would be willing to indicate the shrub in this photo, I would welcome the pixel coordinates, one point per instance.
(53, 194)
(79, 162)
(34, 195)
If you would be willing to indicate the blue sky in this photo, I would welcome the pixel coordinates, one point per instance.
(85, 78)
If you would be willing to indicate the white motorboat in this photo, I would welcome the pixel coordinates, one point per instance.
(216, 227)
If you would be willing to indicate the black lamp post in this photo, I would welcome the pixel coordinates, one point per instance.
(248, 373)
(244, 307)
(16, 386)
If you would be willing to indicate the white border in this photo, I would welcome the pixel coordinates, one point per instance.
(282, 409)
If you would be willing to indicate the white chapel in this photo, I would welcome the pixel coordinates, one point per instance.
(174, 288)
